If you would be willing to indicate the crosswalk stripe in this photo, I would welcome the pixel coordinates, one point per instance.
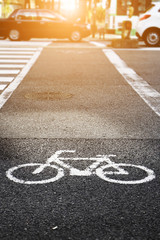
(6, 79)
(20, 49)
(13, 61)
(16, 52)
(15, 56)
(9, 71)
(11, 65)
(2, 86)
(5, 95)
(37, 44)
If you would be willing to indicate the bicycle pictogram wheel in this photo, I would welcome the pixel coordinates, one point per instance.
(149, 174)
(12, 172)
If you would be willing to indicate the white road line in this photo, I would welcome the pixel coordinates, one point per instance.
(13, 61)
(25, 43)
(137, 49)
(12, 65)
(6, 79)
(145, 91)
(102, 45)
(20, 49)
(15, 56)
(9, 71)
(16, 52)
(6, 94)
(2, 86)
(98, 44)
(149, 49)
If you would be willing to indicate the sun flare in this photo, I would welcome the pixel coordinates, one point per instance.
(68, 4)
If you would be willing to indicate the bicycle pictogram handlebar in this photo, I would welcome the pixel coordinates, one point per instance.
(102, 166)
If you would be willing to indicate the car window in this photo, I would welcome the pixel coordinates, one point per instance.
(150, 7)
(27, 15)
(47, 16)
(13, 14)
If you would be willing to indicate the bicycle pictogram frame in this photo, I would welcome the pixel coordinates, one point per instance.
(59, 164)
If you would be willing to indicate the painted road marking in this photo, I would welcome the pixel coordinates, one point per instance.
(10, 56)
(25, 43)
(17, 49)
(2, 86)
(102, 45)
(16, 52)
(140, 49)
(109, 171)
(15, 56)
(98, 44)
(11, 65)
(13, 61)
(145, 91)
(5, 95)
(6, 79)
(9, 72)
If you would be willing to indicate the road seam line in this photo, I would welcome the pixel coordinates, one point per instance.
(144, 90)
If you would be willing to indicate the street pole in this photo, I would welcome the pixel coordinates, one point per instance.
(93, 26)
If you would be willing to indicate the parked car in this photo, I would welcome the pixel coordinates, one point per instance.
(148, 26)
(24, 24)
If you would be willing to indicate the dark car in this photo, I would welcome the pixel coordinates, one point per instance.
(24, 24)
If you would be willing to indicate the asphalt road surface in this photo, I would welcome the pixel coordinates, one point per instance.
(79, 141)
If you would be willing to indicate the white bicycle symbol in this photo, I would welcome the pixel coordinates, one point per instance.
(118, 169)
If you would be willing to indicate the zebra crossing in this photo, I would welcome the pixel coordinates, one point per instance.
(15, 62)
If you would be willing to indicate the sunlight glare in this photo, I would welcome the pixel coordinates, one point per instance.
(68, 4)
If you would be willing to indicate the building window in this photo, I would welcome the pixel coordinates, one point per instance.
(139, 6)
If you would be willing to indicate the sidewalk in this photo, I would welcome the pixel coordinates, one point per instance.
(115, 41)
(107, 37)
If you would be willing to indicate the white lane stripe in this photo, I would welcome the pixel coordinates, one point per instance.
(150, 49)
(11, 65)
(6, 79)
(15, 56)
(16, 52)
(25, 43)
(9, 71)
(6, 94)
(20, 49)
(145, 91)
(137, 49)
(98, 44)
(2, 86)
(13, 61)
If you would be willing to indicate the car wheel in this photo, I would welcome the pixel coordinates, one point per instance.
(75, 36)
(14, 35)
(152, 38)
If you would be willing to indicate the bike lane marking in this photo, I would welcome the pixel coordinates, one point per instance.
(94, 168)
(150, 96)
